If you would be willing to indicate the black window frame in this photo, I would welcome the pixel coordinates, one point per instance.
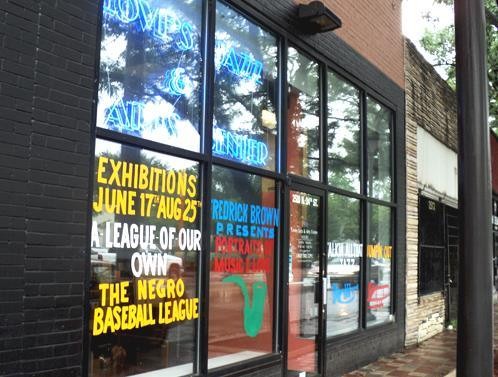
(365, 199)
(206, 162)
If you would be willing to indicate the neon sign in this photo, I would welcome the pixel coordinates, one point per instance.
(239, 147)
(162, 23)
(136, 117)
(159, 21)
(177, 82)
(239, 63)
(129, 116)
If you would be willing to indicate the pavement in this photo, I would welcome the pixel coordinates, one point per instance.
(436, 357)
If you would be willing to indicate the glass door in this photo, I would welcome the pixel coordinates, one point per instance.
(305, 285)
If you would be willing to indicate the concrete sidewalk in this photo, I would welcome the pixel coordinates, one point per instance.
(435, 357)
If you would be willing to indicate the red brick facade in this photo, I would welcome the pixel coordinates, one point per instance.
(373, 28)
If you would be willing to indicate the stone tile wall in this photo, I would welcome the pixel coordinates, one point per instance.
(430, 104)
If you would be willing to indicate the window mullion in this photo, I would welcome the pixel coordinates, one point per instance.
(209, 20)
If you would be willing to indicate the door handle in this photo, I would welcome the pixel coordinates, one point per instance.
(324, 291)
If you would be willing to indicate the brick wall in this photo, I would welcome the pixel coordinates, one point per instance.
(430, 104)
(373, 28)
(47, 57)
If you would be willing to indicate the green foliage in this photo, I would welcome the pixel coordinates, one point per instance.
(440, 43)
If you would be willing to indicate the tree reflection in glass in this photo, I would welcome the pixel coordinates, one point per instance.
(379, 150)
(343, 134)
(344, 253)
(303, 139)
(245, 123)
(150, 71)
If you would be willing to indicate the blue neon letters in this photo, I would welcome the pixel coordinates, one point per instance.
(162, 24)
(177, 82)
(129, 117)
(239, 147)
(241, 64)
(159, 21)
(165, 26)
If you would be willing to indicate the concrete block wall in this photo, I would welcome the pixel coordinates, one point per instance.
(430, 104)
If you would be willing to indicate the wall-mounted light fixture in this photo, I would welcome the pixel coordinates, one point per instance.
(315, 17)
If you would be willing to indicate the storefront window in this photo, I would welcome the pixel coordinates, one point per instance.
(379, 150)
(303, 139)
(344, 253)
(304, 283)
(343, 134)
(245, 112)
(150, 70)
(145, 242)
(379, 256)
(145, 292)
(245, 223)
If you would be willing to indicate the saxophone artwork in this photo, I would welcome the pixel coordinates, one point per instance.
(253, 312)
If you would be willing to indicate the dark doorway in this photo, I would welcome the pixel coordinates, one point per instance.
(431, 246)
(438, 253)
